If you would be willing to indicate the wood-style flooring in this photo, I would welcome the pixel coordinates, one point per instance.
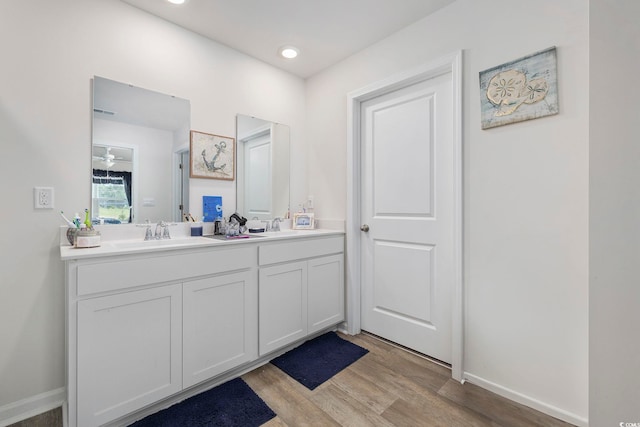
(388, 386)
(52, 418)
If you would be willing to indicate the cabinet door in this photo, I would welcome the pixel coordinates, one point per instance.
(129, 352)
(326, 292)
(282, 305)
(220, 325)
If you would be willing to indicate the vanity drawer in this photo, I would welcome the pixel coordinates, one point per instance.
(299, 249)
(106, 276)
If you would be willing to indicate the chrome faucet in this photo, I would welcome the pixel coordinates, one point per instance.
(158, 233)
(147, 225)
(275, 225)
(162, 231)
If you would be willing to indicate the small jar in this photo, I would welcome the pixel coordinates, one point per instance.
(196, 229)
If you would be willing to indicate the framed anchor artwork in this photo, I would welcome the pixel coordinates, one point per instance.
(212, 156)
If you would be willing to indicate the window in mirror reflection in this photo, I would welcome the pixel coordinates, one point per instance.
(111, 185)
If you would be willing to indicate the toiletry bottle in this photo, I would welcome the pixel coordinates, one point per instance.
(87, 219)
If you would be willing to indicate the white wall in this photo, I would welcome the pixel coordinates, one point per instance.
(49, 53)
(614, 223)
(525, 192)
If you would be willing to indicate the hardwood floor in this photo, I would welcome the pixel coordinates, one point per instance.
(388, 387)
(52, 418)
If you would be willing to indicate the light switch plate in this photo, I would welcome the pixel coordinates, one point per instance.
(43, 197)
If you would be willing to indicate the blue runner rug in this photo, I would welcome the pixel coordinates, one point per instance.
(317, 360)
(232, 404)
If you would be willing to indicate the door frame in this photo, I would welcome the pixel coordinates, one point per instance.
(178, 197)
(451, 63)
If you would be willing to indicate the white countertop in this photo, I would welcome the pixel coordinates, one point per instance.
(114, 244)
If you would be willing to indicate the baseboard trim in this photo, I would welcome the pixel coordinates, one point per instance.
(32, 406)
(527, 401)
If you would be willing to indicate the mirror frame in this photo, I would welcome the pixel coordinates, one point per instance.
(150, 111)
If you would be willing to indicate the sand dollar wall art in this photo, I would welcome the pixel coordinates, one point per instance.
(524, 89)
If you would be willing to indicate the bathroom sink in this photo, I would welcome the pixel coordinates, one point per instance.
(192, 241)
(235, 238)
(287, 232)
(143, 244)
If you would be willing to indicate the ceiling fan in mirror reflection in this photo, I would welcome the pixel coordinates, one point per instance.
(107, 158)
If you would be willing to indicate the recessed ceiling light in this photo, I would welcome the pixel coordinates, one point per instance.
(176, 1)
(289, 52)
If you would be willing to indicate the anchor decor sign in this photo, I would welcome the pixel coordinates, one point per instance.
(523, 89)
(212, 156)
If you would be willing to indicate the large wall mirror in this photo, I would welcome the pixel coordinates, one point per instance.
(262, 187)
(140, 140)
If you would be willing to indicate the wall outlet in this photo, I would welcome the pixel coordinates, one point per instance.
(43, 197)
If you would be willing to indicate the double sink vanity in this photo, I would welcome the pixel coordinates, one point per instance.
(153, 322)
(150, 323)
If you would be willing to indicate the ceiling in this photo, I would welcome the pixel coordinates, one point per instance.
(325, 31)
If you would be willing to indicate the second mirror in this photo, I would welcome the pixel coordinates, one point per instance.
(262, 168)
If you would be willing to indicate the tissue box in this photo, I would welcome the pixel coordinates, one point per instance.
(212, 208)
(87, 239)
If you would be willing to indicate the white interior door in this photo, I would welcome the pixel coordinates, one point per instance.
(257, 157)
(407, 204)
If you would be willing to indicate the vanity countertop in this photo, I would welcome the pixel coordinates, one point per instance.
(114, 247)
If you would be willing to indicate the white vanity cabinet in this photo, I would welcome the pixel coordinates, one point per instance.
(141, 328)
(146, 328)
(219, 325)
(129, 352)
(301, 289)
(325, 294)
(282, 306)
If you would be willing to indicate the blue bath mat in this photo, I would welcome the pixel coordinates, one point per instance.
(317, 360)
(232, 404)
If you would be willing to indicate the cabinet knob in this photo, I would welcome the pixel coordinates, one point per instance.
(364, 227)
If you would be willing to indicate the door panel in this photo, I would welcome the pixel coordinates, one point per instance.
(403, 283)
(258, 177)
(394, 147)
(408, 202)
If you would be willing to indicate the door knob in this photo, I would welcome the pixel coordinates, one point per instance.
(364, 228)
